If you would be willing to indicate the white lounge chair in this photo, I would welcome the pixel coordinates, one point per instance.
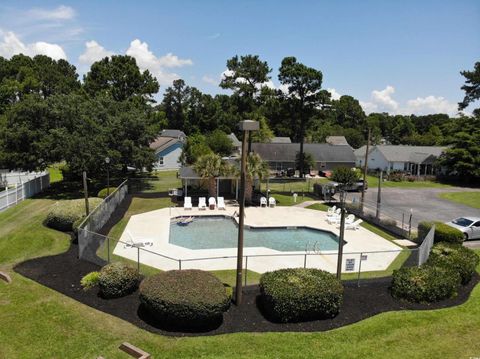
(355, 225)
(331, 210)
(220, 203)
(272, 202)
(263, 202)
(348, 220)
(202, 203)
(334, 219)
(334, 213)
(212, 203)
(187, 203)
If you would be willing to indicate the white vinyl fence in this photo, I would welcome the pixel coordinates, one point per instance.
(13, 194)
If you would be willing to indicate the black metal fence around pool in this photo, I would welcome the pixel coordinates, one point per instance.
(101, 249)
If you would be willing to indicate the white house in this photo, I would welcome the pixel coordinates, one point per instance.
(168, 149)
(417, 160)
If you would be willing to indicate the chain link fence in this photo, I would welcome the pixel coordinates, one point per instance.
(88, 238)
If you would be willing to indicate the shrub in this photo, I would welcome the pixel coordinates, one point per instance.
(443, 232)
(64, 213)
(103, 193)
(186, 297)
(457, 257)
(301, 294)
(424, 284)
(90, 280)
(118, 279)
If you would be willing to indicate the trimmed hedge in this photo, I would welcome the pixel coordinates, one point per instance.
(425, 284)
(103, 193)
(65, 213)
(457, 257)
(117, 280)
(443, 232)
(300, 294)
(186, 297)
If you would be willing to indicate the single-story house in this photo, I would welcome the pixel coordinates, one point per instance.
(281, 140)
(168, 149)
(237, 145)
(417, 160)
(281, 156)
(337, 140)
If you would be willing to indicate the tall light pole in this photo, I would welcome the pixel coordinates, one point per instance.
(245, 127)
(107, 161)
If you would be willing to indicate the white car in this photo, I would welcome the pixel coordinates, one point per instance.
(470, 226)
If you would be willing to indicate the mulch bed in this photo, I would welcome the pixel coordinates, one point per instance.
(63, 273)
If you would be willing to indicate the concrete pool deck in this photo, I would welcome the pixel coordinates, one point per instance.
(154, 227)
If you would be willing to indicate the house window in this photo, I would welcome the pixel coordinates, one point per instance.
(160, 160)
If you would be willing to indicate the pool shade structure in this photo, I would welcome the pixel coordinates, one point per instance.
(245, 127)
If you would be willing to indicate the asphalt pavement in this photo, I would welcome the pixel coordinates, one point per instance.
(424, 204)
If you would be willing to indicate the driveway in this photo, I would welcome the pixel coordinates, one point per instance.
(424, 203)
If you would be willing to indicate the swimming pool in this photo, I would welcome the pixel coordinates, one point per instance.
(222, 232)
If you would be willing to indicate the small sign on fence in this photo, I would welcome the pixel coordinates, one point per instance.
(350, 264)
(363, 257)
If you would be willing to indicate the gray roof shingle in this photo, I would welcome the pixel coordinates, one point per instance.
(321, 152)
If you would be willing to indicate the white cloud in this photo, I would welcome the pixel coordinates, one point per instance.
(382, 101)
(93, 52)
(368, 107)
(146, 60)
(431, 104)
(210, 80)
(384, 98)
(170, 60)
(335, 95)
(61, 12)
(11, 45)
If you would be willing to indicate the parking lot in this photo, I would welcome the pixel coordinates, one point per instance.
(424, 204)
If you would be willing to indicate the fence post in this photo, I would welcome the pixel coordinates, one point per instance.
(16, 193)
(108, 249)
(138, 259)
(359, 269)
(305, 261)
(6, 189)
(179, 264)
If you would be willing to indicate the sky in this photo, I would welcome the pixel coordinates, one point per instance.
(397, 56)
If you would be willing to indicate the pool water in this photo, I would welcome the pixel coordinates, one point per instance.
(222, 232)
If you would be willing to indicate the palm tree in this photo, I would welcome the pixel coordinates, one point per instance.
(209, 167)
(256, 168)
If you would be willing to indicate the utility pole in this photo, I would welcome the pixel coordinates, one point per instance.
(379, 195)
(365, 170)
(85, 190)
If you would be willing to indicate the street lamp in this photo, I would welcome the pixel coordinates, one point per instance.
(107, 161)
(245, 127)
(342, 233)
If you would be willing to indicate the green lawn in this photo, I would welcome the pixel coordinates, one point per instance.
(373, 183)
(287, 199)
(471, 199)
(294, 185)
(37, 322)
(55, 174)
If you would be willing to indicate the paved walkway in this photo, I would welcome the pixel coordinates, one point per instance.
(154, 228)
(307, 204)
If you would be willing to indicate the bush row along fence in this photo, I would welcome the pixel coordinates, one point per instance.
(97, 219)
(14, 194)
